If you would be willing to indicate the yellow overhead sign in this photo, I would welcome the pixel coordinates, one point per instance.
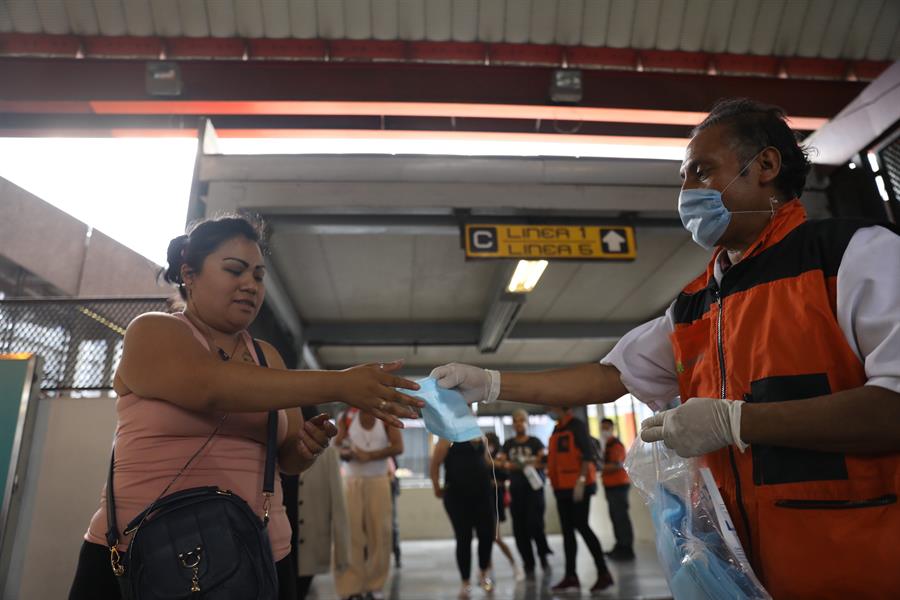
(550, 242)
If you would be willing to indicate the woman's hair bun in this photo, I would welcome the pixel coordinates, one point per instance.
(175, 258)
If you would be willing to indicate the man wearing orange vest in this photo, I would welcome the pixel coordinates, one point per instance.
(572, 471)
(616, 485)
(785, 354)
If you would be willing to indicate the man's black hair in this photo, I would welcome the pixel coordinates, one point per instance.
(754, 126)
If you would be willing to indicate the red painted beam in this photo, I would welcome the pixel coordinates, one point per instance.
(32, 80)
(586, 57)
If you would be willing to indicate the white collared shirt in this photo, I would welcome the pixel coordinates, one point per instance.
(868, 312)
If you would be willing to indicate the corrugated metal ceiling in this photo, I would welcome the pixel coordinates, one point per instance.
(846, 29)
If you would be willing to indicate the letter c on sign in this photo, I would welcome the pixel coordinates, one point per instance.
(482, 240)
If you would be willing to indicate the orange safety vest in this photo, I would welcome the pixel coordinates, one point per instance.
(564, 458)
(614, 451)
(816, 525)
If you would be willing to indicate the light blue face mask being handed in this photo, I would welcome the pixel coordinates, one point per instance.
(446, 412)
(704, 214)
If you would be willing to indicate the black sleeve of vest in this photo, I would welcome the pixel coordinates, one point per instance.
(583, 439)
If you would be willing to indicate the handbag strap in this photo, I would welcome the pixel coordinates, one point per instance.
(112, 526)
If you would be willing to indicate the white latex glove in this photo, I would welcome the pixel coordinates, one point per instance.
(699, 426)
(578, 491)
(474, 383)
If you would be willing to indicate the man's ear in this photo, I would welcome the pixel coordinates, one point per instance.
(769, 162)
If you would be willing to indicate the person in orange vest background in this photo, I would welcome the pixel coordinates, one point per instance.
(573, 473)
(616, 485)
(785, 355)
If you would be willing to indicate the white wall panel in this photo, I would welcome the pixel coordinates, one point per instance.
(248, 19)
(838, 29)
(6, 24)
(621, 22)
(886, 29)
(166, 18)
(646, 24)
(138, 17)
(438, 20)
(411, 19)
(110, 17)
(569, 15)
(814, 25)
(861, 29)
(384, 19)
(790, 28)
(742, 26)
(25, 17)
(543, 22)
(491, 20)
(221, 18)
(694, 26)
(304, 22)
(276, 18)
(193, 18)
(54, 19)
(518, 21)
(464, 20)
(330, 19)
(716, 29)
(357, 19)
(671, 22)
(765, 30)
(596, 22)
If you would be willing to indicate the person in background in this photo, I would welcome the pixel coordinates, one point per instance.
(395, 524)
(520, 453)
(498, 480)
(468, 497)
(187, 376)
(616, 485)
(367, 445)
(573, 474)
(322, 536)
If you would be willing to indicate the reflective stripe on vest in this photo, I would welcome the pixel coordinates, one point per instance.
(816, 524)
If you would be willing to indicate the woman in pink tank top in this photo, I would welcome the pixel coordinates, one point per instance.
(182, 375)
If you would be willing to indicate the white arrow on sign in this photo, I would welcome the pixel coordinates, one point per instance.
(613, 241)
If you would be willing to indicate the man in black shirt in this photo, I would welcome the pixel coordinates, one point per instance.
(523, 456)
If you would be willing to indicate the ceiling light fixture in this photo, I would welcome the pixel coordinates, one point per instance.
(526, 276)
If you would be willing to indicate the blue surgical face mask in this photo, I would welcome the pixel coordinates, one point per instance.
(704, 214)
(446, 412)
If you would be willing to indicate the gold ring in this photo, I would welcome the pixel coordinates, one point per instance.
(381, 366)
(382, 405)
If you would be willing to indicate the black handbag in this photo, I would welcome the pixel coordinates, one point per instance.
(203, 542)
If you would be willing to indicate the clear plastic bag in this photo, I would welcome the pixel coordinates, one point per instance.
(696, 542)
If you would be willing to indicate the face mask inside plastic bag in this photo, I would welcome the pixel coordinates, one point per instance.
(446, 412)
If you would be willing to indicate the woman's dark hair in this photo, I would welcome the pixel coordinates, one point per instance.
(202, 239)
(755, 126)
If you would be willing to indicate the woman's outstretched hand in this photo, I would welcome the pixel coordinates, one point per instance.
(371, 387)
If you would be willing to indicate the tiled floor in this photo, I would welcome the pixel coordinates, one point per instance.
(429, 573)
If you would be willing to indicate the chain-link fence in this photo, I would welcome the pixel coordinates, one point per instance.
(79, 340)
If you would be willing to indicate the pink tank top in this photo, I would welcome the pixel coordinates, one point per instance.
(154, 439)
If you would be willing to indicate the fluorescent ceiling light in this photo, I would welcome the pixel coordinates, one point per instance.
(526, 276)
(543, 112)
(134, 190)
(454, 143)
(882, 189)
(873, 161)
